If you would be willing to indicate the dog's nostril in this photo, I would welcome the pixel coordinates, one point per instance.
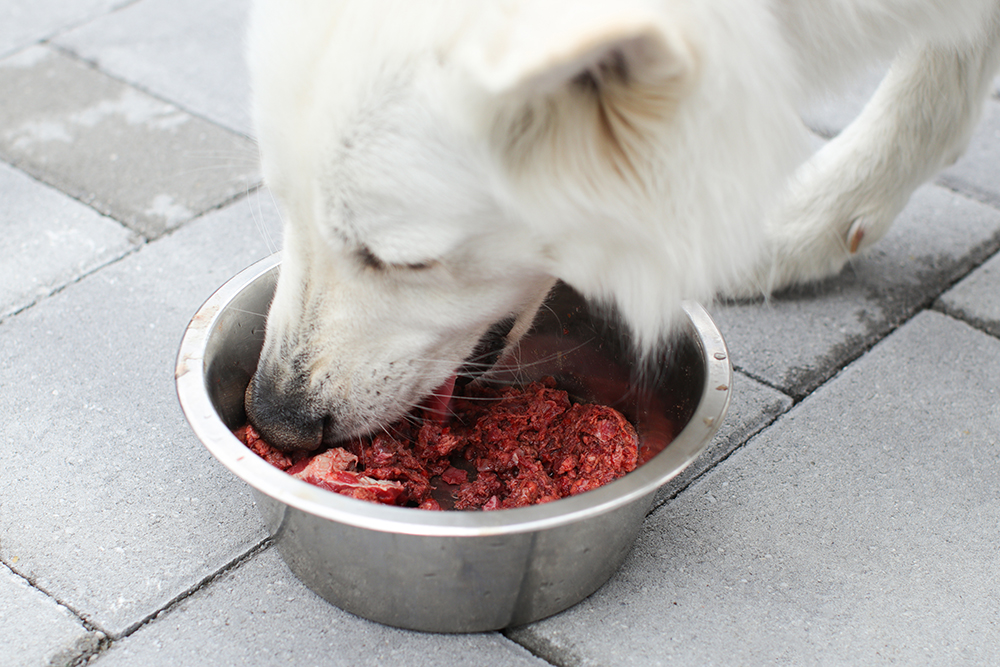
(283, 419)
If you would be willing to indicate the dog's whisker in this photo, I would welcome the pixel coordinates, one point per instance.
(248, 312)
(219, 164)
(548, 358)
(258, 217)
(391, 431)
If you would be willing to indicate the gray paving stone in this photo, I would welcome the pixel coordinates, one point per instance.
(259, 614)
(38, 223)
(140, 160)
(798, 339)
(859, 530)
(107, 500)
(187, 51)
(36, 629)
(752, 407)
(26, 22)
(830, 114)
(977, 172)
(976, 299)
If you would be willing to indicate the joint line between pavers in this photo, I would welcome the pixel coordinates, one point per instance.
(959, 315)
(250, 190)
(136, 246)
(932, 305)
(968, 190)
(539, 651)
(253, 551)
(85, 621)
(680, 489)
(47, 39)
(95, 66)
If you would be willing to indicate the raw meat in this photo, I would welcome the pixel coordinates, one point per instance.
(503, 448)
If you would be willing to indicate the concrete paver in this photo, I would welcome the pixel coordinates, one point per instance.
(799, 339)
(36, 630)
(977, 298)
(860, 529)
(26, 22)
(135, 511)
(138, 159)
(753, 406)
(977, 172)
(187, 51)
(261, 615)
(36, 222)
(829, 115)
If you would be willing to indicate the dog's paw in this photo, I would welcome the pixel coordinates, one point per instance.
(837, 205)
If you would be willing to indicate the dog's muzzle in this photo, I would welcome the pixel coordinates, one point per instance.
(288, 417)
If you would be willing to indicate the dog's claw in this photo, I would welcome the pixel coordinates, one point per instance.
(855, 235)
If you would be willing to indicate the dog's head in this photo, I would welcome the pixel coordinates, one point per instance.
(440, 164)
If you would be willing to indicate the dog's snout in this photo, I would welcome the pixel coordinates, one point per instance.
(282, 415)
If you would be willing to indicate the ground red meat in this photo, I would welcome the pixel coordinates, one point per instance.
(506, 447)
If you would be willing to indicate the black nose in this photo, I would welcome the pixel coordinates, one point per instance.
(281, 412)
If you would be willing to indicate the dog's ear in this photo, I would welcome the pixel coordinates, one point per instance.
(529, 48)
(584, 90)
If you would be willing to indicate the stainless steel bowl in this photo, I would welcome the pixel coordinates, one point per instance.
(462, 571)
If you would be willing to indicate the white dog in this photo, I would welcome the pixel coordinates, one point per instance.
(441, 163)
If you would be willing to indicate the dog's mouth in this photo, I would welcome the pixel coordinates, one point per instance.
(484, 357)
(437, 406)
(487, 351)
(310, 434)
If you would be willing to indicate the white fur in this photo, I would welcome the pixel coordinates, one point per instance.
(440, 163)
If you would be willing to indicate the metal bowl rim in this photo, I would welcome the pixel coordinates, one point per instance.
(219, 440)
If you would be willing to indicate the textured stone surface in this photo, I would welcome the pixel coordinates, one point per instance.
(138, 159)
(829, 114)
(187, 51)
(752, 407)
(860, 529)
(107, 500)
(39, 222)
(800, 338)
(261, 615)
(977, 172)
(977, 298)
(26, 22)
(36, 630)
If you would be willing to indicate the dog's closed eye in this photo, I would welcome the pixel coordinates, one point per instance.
(373, 261)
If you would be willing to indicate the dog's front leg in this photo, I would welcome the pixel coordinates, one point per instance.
(846, 196)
